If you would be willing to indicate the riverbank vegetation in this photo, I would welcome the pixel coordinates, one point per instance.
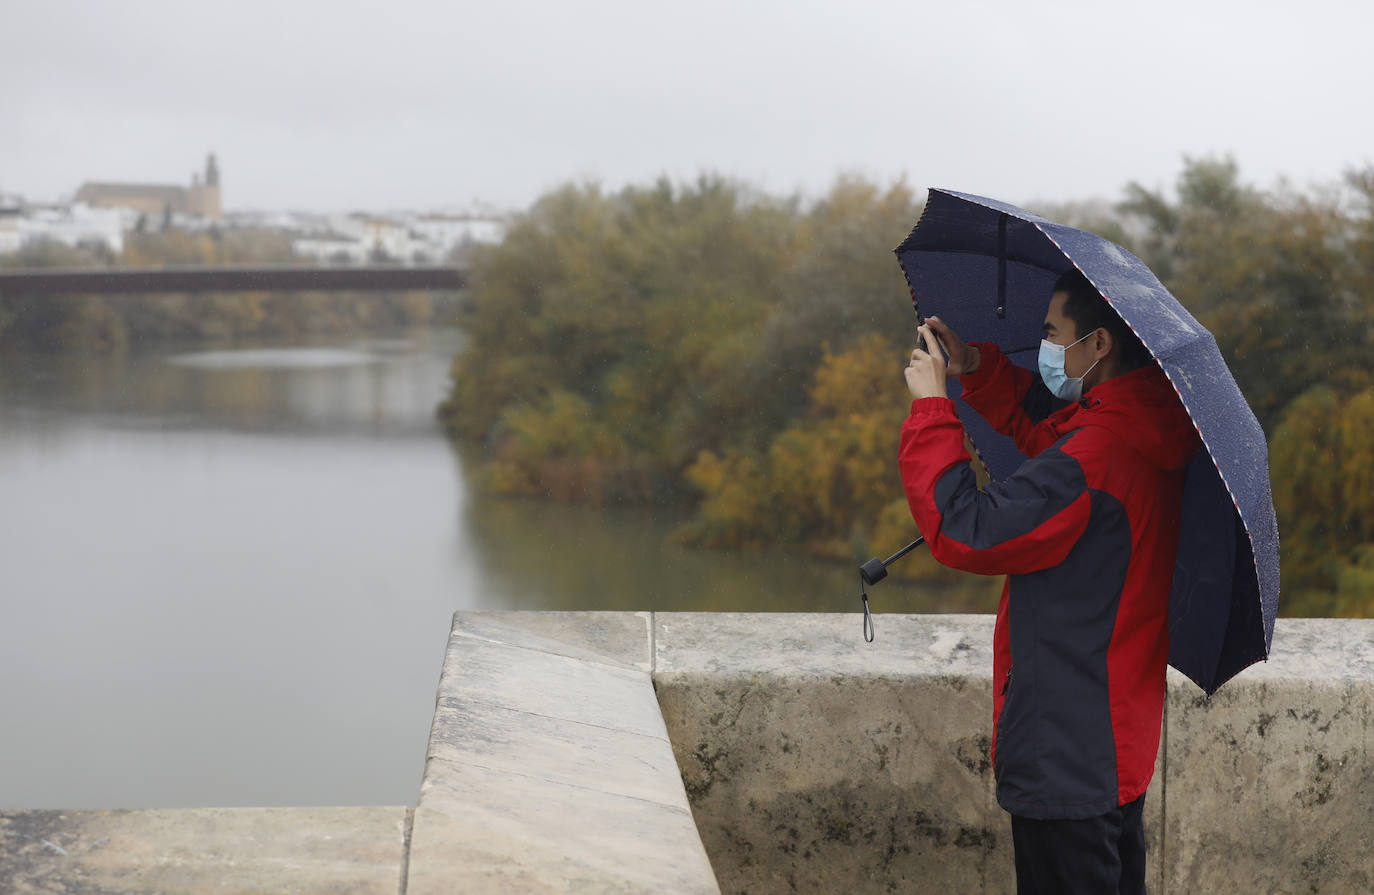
(738, 353)
(108, 321)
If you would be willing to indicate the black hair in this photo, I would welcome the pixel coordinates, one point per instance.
(1089, 311)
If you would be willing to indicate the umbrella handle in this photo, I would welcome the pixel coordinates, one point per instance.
(872, 572)
(875, 569)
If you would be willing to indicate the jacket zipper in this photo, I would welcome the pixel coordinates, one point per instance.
(1001, 744)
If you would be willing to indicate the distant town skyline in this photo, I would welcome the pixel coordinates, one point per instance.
(103, 213)
(330, 107)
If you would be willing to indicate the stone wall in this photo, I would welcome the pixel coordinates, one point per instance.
(816, 762)
(232, 851)
(616, 751)
(1269, 785)
(819, 763)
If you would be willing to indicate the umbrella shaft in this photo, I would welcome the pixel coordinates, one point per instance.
(903, 552)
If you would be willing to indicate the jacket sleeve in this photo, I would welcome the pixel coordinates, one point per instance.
(1024, 524)
(1013, 400)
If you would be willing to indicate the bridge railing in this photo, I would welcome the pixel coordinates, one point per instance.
(228, 278)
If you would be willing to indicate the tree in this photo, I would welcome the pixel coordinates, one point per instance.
(1275, 276)
(644, 304)
(1322, 466)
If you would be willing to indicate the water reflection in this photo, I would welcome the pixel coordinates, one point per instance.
(536, 555)
(229, 575)
(225, 584)
(378, 386)
(275, 358)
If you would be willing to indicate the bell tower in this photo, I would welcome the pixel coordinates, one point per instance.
(210, 190)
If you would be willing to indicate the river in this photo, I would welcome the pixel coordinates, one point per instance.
(228, 574)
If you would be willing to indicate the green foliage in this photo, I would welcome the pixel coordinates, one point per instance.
(827, 482)
(843, 284)
(1284, 281)
(822, 481)
(50, 253)
(688, 321)
(709, 344)
(715, 347)
(1322, 458)
(645, 305)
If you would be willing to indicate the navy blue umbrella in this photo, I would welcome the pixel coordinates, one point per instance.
(986, 268)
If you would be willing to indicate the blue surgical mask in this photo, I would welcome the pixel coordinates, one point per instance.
(1060, 384)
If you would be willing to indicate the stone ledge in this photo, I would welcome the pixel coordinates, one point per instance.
(821, 644)
(236, 851)
(485, 831)
(556, 750)
(549, 766)
(616, 638)
(540, 683)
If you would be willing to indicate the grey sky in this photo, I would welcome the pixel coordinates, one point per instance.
(337, 105)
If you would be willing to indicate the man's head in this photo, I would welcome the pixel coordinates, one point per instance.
(1099, 343)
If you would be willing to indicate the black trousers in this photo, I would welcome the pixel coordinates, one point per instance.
(1100, 855)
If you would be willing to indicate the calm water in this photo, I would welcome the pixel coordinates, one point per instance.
(228, 575)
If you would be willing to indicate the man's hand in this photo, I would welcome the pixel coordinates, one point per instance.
(925, 375)
(963, 358)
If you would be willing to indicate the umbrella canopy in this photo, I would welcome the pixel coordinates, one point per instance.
(987, 268)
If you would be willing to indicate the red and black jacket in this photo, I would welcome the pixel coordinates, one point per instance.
(1086, 531)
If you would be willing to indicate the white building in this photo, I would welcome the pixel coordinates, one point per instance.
(404, 238)
(360, 238)
(452, 231)
(73, 225)
(330, 248)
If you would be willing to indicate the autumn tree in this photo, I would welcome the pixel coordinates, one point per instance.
(1280, 278)
(637, 311)
(1322, 465)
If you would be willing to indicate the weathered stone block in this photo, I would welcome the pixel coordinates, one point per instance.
(567, 752)
(821, 644)
(817, 762)
(620, 638)
(236, 851)
(549, 765)
(1270, 783)
(840, 784)
(527, 680)
(484, 831)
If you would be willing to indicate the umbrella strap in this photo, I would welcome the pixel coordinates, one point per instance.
(868, 616)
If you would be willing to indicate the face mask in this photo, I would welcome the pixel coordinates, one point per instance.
(1060, 384)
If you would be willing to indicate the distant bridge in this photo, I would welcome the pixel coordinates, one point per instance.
(280, 278)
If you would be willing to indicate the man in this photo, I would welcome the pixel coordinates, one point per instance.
(1086, 530)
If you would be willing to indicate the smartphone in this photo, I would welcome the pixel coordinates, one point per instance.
(921, 340)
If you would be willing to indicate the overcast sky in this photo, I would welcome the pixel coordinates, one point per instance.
(333, 105)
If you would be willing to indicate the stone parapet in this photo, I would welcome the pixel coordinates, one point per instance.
(614, 751)
(234, 851)
(1269, 784)
(549, 766)
(817, 762)
(814, 761)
